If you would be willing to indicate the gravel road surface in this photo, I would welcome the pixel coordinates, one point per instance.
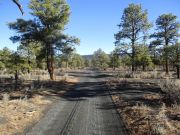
(86, 109)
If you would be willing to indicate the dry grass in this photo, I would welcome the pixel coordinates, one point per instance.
(20, 109)
(46, 77)
(155, 96)
(70, 79)
(164, 124)
(144, 75)
(144, 119)
(18, 114)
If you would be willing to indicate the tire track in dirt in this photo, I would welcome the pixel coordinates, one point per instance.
(85, 110)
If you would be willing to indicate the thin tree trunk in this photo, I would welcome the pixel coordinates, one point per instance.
(167, 66)
(144, 67)
(52, 64)
(16, 79)
(166, 58)
(133, 46)
(114, 68)
(29, 62)
(178, 62)
(178, 72)
(166, 54)
(133, 57)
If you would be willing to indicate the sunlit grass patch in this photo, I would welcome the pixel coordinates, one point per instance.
(20, 113)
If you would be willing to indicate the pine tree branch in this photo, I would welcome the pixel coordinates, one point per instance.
(19, 6)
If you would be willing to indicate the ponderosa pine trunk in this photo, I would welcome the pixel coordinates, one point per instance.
(178, 62)
(29, 61)
(167, 66)
(16, 79)
(178, 72)
(144, 67)
(166, 57)
(52, 64)
(133, 55)
(50, 61)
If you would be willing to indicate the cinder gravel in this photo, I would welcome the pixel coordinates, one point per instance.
(86, 110)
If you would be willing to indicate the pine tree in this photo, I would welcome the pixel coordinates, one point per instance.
(134, 25)
(167, 34)
(50, 18)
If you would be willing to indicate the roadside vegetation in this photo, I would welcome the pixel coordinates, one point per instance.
(147, 107)
(18, 114)
(26, 91)
(146, 88)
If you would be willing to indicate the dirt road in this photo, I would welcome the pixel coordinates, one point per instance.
(86, 110)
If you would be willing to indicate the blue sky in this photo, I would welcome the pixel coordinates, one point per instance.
(93, 21)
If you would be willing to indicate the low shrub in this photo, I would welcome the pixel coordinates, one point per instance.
(171, 88)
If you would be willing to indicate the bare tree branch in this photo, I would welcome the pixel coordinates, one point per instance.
(19, 6)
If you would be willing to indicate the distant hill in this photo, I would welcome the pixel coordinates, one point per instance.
(89, 57)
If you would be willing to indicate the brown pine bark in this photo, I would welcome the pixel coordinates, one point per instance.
(133, 55)
(50, 61)
(166, 57)
(178, 72)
